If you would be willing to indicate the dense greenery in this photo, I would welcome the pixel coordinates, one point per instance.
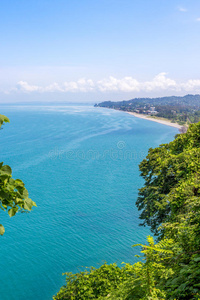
(138, 281)
(170, 205)
(93, 283)
(13, 194)
(178, 109)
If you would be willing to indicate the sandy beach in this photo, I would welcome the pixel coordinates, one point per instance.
(168, 123)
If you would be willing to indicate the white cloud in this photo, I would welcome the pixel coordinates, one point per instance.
(129, 84)
(25, 87)
(198, 19)
(182, 9)
(54, 87)
(126, 84)
(192, 85)
(82, 85)
(159, 83)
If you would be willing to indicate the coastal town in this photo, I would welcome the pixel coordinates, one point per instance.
(180, 111)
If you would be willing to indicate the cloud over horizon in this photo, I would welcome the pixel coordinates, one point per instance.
(111, 84)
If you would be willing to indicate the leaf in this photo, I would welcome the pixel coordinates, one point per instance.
(2, 229)
(25, 193)
(7, 170)
(3, 119)
(12, 211)
(196, 259)
(33, 203)
(28, 204)
(19, 182)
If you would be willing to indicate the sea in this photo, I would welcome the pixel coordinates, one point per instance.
(80, 165)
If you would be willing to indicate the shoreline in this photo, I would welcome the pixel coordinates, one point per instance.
(167, 123)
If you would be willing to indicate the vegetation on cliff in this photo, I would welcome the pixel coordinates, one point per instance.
(169, 203)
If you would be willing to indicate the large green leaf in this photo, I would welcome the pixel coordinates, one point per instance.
(6, 170)
(28, 203)
(12, 211)
(19, 182)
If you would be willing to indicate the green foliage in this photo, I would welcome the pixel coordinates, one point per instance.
(186, 284)
(146, 279)
(139, 281)
(3, 119)
(13, 194)
(93, 283)
(167, 171)
(170, 204)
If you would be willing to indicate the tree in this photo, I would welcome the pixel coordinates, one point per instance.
(93, 283)
(13, 194)
(171, 172)
(141, 281)
(170, 205)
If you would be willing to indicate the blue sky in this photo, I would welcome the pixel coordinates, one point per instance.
(95, 50)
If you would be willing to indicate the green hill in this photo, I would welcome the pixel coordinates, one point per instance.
(183, 110)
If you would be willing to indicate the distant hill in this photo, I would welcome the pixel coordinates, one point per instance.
(183, 110)
(188, 100)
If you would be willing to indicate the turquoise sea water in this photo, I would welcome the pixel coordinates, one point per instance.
(80, 165)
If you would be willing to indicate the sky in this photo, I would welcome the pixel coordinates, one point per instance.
(98, 50)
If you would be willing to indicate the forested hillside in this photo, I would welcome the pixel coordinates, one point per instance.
(183, 110)
(169, 203)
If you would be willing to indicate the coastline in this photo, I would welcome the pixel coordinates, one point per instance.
(164, 122)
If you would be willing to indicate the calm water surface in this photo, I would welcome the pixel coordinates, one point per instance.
(80, 165)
